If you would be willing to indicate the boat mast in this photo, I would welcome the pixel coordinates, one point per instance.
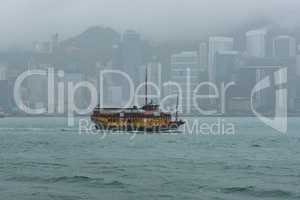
(146, 87)
(177, 102)
(99, 91)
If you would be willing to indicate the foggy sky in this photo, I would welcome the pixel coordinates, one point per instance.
(23, 21)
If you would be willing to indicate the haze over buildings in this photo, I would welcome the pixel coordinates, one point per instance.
(30, 20)
(205, 40)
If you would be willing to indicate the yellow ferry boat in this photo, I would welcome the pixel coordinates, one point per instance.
(146, 118)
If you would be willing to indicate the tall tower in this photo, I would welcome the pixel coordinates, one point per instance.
(284, 46)
(203, 55)
(217, 44)
(3, 70)
(185, 66)
(54, 42)
(256, 43)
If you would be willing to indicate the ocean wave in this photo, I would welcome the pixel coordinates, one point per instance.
(239, 167)
(36, 130)
(38, 164)
(252, 191)
(70, 179)
(255, 145)
(96, 181)
(115, 183)
(237, 189)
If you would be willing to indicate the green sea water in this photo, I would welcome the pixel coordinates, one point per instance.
(43, 158)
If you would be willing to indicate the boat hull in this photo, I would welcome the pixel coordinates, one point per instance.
(131, 128)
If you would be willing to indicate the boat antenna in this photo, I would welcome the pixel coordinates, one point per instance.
(99, 91)
(146, 87)
(177, 102)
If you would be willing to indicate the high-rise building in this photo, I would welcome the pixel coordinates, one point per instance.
(113, 88)
(256, 43)
(117, 55)
(284, 46)
(298, 65)
(37, 86)
(226, 63)
(203, 55)
(6, 95)
(185, 72)
(155, 75)
(3, 72)
(132, 54)
(265, 99)
(79, 98)
(217, 44)
(54, 42)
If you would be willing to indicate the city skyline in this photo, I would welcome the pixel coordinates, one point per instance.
(216, 60)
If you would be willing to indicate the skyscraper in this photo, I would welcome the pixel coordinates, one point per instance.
(6, 95)
(256, 43)
(74, 77)
(298, 65)
(54, 42)
(117, 56)
(284, 46)
(185, 72)
(226, 63)
(203, 55)
(2, 72)
(217, 44)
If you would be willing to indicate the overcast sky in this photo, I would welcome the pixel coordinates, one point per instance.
(23, 21)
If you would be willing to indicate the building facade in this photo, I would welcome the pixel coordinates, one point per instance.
(284, 47)
(256, 43)
(217, 44)
(185, 72)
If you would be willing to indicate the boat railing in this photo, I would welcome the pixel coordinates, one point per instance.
(117, 110)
